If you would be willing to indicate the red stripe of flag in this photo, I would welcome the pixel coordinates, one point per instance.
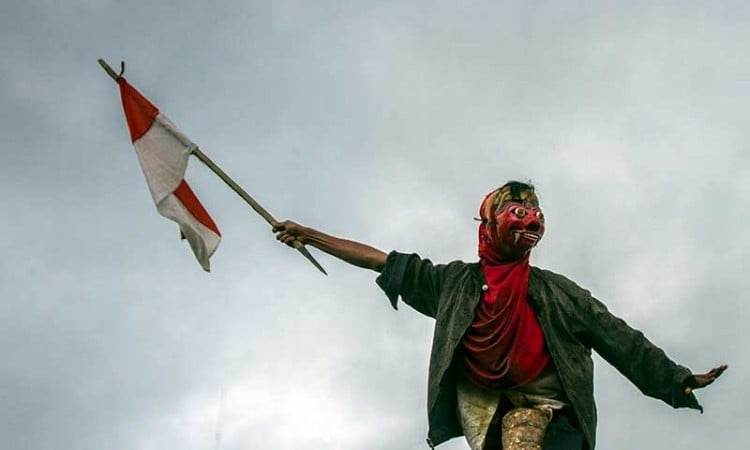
(139, 112)
(185, 195)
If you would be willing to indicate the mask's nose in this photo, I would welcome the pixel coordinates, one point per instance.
(533, 224)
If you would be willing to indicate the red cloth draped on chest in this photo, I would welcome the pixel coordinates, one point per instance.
(504, 346)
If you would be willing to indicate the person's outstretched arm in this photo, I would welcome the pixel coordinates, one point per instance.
(356, 253)
(642, 362)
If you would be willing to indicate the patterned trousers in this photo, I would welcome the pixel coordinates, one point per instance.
(519, 420)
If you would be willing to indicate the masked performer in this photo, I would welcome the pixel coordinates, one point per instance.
(511, 363)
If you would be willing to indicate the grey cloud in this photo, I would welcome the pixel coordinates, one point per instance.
(380, 122)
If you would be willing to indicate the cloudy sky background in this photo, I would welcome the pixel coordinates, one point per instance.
(385, 122)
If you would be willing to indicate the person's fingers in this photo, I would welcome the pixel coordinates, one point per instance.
(688, 390)
(716, 373)
(703, 380)
(287, 238)
(286, 232)
(284, 236)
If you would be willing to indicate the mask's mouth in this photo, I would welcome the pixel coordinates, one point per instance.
(526, 235)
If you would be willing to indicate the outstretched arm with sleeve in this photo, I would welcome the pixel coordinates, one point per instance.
(639, 360)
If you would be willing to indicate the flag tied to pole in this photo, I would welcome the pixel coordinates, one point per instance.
(163, 152)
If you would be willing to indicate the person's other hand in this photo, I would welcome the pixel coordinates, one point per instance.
(698, 381)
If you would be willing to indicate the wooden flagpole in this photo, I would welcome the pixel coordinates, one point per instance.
(227, 179)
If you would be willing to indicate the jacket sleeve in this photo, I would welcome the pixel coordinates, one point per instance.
(633, 355)
(417, 281)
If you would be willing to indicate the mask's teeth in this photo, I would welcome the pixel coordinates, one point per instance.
(517, 237)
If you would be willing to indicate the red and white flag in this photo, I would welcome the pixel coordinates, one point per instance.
(163, 152)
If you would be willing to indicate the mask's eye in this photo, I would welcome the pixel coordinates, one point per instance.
(519, 212)
(540, 216)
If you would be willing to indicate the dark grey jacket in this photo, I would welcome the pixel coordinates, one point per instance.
(573, 322)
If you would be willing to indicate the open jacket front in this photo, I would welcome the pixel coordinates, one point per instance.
(573, 322)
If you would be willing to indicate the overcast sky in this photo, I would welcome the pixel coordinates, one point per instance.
(384, 122)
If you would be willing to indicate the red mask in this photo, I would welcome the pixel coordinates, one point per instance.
(510, 232)
(518, 228)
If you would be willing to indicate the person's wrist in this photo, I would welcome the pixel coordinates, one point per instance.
(305, 234)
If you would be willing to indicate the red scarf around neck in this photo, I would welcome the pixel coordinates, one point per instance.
(504, 346)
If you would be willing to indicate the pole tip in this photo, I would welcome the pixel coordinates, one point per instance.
(110, 72)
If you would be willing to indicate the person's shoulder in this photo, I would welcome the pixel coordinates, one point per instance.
(460, 272)
(460, 264)
(548, 275)
(455, 266)
(569, 286)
